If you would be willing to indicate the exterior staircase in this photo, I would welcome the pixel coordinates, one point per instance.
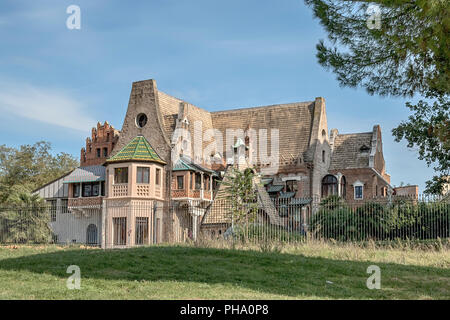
(216, 212)
(266, 203)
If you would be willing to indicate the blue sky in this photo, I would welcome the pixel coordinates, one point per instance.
(56, 83)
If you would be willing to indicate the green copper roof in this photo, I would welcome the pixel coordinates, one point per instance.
(184, 163)
(275, 188)
(137, 150)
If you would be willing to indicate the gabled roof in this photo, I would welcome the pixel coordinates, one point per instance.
(86, 174)
(139, 149)
(351, 151)
(293, 120)
(186, 164)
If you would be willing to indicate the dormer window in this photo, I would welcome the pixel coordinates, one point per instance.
(364, 148)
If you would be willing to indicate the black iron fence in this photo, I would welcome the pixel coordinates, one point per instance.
(278, 220)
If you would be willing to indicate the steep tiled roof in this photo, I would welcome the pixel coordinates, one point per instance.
(169, 107)
(351, 151)
(293, 120)
(139, 149)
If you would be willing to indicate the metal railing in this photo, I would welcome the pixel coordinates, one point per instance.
(135, 223)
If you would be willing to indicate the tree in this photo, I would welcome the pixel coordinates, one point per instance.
(26, 168)
(405, 53)
(428, 130)
(25, 220)
(242, 195)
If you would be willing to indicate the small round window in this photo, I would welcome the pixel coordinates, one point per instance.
(141, 120)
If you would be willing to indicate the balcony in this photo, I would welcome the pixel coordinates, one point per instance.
(85, 207)
(192, 194)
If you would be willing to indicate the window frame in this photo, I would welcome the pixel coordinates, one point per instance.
(94, 189)
(119, 231)
(294, 186)
(198, 185)
(355, 187)
(141, 231)
(140, 175)
(178, 180)
(328, 184)
(121, 175)
(158, 176)
(76, 190)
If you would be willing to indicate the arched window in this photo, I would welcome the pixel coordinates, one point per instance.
(329, 186)
(343, 187)
(91, 234)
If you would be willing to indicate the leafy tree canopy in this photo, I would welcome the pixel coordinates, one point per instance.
(28, 167)
(397, 48)
(406, 53)
(427, 130)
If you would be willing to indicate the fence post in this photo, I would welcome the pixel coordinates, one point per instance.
(103, 241)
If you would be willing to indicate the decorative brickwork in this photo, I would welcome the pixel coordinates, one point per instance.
(99, 145)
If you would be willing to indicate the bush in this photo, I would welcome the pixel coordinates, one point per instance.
(402, 220)
(338, 223)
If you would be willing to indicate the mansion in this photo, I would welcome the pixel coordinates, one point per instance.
(171, 154)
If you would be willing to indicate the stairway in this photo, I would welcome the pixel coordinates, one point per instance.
(266, 203)
(216, 212)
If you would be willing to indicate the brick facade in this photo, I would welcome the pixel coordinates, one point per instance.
(99, 145)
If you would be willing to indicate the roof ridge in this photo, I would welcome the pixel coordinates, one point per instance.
(184, 101)
(348, 134)
(279, 105)
(137, 145)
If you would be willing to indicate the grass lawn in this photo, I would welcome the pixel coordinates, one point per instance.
(186, 272)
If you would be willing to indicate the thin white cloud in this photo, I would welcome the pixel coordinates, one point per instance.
(46, 105)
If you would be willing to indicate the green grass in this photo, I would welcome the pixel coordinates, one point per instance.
(186, 272)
